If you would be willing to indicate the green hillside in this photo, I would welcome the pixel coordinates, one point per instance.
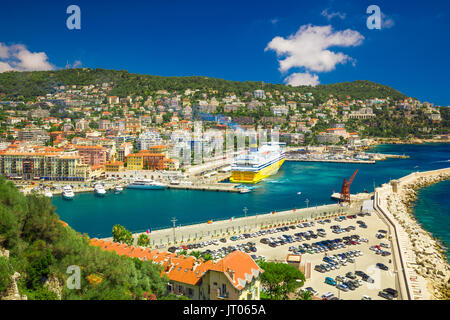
(30, 84)
(42, 248)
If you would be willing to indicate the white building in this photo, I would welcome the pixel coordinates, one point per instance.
(147, 139)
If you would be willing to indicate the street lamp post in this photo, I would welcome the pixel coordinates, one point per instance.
(173, 221)
(245, 214)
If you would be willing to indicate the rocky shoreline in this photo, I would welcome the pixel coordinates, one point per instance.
(431, 262)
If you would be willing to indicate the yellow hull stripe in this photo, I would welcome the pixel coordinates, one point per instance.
(255, 177)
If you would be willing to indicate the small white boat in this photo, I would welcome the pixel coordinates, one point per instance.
(99, 189)
(147, 184)
(48, 193)
(244, 190)
(118, 189)
(68, 193)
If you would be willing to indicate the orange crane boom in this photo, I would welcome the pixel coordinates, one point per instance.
(345, 190)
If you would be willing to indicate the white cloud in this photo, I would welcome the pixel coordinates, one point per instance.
(19, 58)
(331, 15)
(308, 49)
(386, 22)
(302, 79)
(3, 51)
(76, 64)
(5, 67)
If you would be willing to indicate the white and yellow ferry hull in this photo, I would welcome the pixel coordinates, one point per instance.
(255, 176)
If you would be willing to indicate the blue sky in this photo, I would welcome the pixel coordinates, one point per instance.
(227, 39)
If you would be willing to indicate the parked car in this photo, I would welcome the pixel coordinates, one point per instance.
(330, 281)
(343, 287)
(350, 285)
(327, 296)
(385, 295)
(381, 266)
(392, 292)
(350, 275)
(313, 292)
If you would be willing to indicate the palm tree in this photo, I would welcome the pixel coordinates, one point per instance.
(304, 295)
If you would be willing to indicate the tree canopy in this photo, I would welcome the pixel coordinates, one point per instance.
(280, 279)
(41, 247)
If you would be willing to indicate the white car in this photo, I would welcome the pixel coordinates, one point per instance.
(327, 295)
(366, 298)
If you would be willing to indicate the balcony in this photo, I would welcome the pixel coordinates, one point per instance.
(223, 295)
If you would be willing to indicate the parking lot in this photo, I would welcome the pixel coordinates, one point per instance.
(346, 250)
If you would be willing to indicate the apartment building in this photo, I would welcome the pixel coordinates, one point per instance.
(92, 155)
(56, 166)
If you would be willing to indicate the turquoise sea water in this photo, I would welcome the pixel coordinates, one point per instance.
(432, 210)
(139, 210)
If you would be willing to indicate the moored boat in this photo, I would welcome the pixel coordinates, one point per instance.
(48, 193)
(147, 184)
(118, 189)
(68, 193)
(99, 189)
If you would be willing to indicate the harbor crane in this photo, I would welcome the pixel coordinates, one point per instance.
(345, 191)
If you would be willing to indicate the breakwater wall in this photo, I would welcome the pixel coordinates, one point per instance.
(426, 273)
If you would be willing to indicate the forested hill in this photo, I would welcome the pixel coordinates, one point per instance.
(14, 85)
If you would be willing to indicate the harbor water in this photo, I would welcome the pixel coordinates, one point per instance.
(297, 185)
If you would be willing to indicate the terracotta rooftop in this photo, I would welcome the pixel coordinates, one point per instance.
(237, 266)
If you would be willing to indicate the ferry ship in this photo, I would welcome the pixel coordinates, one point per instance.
(257, 164)
(147, 184)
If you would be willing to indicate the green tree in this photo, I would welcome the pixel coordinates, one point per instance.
(6, 271)
(280, 279)
(304, 295)
(143, 240)
(122, 235)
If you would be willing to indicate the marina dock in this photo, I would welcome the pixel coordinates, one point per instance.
(332, 160)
